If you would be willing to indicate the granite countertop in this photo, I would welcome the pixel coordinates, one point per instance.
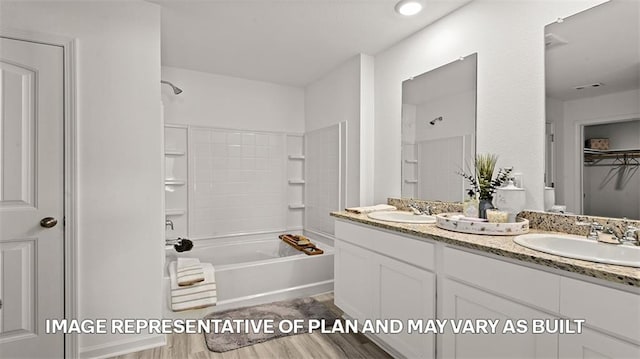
(505, 247)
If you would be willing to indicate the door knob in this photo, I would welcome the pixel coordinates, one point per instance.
(48, 222)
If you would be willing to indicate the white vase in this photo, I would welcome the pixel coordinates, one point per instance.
(549, 198)
(510, 199)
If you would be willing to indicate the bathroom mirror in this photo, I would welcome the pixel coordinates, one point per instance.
(439, 130)
(592, 62)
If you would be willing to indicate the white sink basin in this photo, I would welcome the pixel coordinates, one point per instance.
(401, 217)
(581, 248)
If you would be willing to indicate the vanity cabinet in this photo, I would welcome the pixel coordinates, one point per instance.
(380, 275)
(383, 275)
(592, 344)
(353, 283)
(612, 321)
(477, 287)
(464, 302)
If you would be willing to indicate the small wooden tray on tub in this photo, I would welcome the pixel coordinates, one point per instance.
(301, 243)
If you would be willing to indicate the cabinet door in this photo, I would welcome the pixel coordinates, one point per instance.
(354, 270)
(591, 344)
(405, 293)
(460, 302)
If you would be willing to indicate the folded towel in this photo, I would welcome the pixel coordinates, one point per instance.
(369, 209)
(189, 271)
(199, 295)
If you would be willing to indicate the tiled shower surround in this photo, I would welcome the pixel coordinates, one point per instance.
(244, 182)
(239, 182)
(322, 178)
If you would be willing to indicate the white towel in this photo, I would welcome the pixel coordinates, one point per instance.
(189, 271)
(369, 209)
(199, 295)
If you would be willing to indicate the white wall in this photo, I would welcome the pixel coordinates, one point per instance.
(594, 110)
(346, 94)
(231, 102)
(120, 227)
(508, 37)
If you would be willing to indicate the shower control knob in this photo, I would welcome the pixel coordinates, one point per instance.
(48, 222)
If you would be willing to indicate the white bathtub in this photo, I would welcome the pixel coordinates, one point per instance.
(257, 271)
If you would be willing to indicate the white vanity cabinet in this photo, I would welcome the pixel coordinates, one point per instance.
(612, 321)
(381, 275)
(476, 287)
(464, 302)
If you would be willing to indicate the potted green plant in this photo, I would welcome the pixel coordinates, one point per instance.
(482, 181)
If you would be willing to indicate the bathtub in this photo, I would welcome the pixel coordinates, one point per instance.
(256, 271)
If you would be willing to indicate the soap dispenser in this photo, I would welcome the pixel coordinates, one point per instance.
(510, 199)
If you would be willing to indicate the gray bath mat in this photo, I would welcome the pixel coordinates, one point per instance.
(302, 308)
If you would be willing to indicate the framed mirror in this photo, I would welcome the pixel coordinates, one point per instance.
(592, 62)
(439, 130)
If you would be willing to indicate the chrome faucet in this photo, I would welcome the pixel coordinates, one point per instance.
(595, 228)
(168, 224)
(631, 236)
(418, 209)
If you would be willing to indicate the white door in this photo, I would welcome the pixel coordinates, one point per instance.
(31, 198)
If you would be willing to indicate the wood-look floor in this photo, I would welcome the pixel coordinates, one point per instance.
(315, 345)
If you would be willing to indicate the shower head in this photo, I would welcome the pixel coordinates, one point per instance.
(176, 89)
(433, 122)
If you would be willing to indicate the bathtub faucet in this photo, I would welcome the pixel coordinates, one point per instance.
(168, 223)
(180, 244)
(172, 242)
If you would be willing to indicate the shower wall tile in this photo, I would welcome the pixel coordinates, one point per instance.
(239, 182)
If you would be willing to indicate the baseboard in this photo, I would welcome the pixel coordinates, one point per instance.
(120, 347)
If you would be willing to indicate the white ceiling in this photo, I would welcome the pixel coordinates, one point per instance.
(447, 80)
(291, 42)
(603, 46)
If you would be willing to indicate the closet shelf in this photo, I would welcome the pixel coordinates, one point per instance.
(296, 157)
(175, 212)
(296, 206)
(174, 153)
(622, 157)
(174, 182)
(296, 181)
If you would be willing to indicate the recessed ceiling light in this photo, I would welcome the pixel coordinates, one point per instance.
(408, 7)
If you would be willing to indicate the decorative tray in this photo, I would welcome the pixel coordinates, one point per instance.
(445, 221)
(301, 243)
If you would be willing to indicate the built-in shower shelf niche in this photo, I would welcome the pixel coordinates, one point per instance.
(175, 153)
(295, 180)
(413, 162)
(175, 212)
(174, 182)
(176, 158)
(411, 181)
